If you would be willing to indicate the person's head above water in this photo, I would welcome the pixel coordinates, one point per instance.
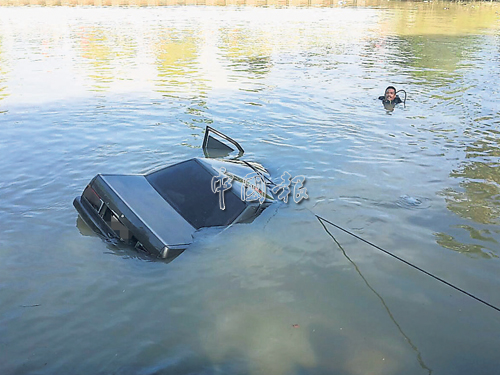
(390, 93)
(390, 98)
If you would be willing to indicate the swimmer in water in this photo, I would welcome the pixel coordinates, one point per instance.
(390, 99)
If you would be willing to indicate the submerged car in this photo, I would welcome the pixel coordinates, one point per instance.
(159, 212)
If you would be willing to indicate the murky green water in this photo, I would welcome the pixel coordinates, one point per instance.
(124, 90)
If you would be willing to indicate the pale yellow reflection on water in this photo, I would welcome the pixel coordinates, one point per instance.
(124, 89)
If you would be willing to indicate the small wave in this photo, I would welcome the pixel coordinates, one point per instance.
(409, 202)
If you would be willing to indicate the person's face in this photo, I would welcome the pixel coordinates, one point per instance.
(390, 94)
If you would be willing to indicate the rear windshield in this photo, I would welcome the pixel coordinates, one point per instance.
(187, 187)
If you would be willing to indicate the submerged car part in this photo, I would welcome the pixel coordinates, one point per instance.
(159, 212)
(214, 148)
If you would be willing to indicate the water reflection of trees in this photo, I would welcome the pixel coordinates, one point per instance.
(176, 53)
(436, 61)
(430, 41)
(478, 197)
(103, 52)
(443, 17)
(179, 75)
(247, 55)
(470, 249)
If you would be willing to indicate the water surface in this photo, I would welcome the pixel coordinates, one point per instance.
(87, 90)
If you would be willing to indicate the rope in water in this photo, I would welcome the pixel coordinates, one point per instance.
(408, 263)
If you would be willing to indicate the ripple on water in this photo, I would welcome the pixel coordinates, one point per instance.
(413, 202)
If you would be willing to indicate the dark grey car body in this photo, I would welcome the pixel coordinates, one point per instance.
(159, 212)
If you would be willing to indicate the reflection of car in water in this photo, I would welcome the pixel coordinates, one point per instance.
(159, 212)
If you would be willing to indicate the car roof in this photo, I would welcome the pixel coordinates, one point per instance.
(186, 186)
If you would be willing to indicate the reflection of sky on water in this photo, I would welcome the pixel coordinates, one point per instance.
(3, 72)
(197, 53)
(103, 54)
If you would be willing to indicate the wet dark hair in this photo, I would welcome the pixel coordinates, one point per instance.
(390, 87)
